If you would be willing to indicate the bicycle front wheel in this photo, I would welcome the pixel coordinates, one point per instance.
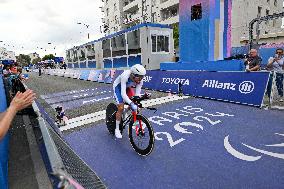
(142, 140)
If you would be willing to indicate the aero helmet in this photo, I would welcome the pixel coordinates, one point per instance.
(138, 69)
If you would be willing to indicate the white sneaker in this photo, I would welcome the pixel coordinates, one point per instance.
(281, 100)
(117, 133)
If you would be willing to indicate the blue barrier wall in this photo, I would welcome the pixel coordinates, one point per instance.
(92, 64)
(107, 63)
(83, 64)
(222, 65)
(76, 65)
(132, 60)
(4, 143)
(238, 87)
(264, 53)
(119, 62)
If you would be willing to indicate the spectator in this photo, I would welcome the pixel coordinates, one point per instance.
(1, 68)
(276, 64)
(253, 61)
(19, 102)
(13, 68)
(39, 70)
(6, 71)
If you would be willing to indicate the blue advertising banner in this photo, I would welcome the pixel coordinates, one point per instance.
(96, 75)
(116, 74)
(85, 74)
(239, 87)
(101, 77)
(169, 81)
(109, 76)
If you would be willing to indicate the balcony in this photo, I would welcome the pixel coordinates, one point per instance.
(170, 20)
(131, 18)
(170, 15)
(131, 5)
(169, 3)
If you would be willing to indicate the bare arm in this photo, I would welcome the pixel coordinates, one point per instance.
(2, 115)
(19, 102)
(256, 68)
(270, 62)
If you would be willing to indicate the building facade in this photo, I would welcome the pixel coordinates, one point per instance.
(122, 14)
(7, 55)
(244, 11)
(33, 56)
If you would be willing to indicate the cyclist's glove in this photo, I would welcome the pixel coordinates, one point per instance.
(133, 106)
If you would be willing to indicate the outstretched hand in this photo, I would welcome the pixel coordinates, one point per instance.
(22, 100)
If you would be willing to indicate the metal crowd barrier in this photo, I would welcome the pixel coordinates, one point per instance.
(274, 91)
(65, 164)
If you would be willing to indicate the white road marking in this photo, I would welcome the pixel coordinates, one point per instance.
(97, 116)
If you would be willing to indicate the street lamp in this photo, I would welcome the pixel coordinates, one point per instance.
(87, 25)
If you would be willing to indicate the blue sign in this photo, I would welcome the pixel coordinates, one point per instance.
(109, 76)
(101, 77)
(238, 87)
(85, 74)
(58, 59)
(96, 75)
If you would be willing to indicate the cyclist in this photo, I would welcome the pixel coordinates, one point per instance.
(123, 91)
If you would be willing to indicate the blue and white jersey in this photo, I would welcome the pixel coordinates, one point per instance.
(121, 83)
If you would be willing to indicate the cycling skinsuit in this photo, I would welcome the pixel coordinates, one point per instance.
(121, 84)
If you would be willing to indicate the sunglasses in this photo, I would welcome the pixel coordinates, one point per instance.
(279, 52)
(139, 76)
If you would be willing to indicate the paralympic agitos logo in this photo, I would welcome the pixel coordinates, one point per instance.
(245, 87)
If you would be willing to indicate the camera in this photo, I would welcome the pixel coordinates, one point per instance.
(238, 57)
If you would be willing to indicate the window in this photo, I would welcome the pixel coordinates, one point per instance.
(81, 53)
(75, 57)
(196, 12)
(259, 11)
(160, 43)
(118, 45)
(69, 56)
(91, 52)
(133, 41)
(154, 43)
(267, 13)
(106, 48)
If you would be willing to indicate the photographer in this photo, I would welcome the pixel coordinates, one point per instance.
(276, 64)
(253, 61)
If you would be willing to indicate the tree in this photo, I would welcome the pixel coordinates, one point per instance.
(36, 60)
(23, 60)
(48, 57)
(176, 35)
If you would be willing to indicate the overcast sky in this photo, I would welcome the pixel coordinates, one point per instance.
(28, 24)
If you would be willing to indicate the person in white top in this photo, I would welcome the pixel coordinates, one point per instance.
(122, 88)
(276, 64)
